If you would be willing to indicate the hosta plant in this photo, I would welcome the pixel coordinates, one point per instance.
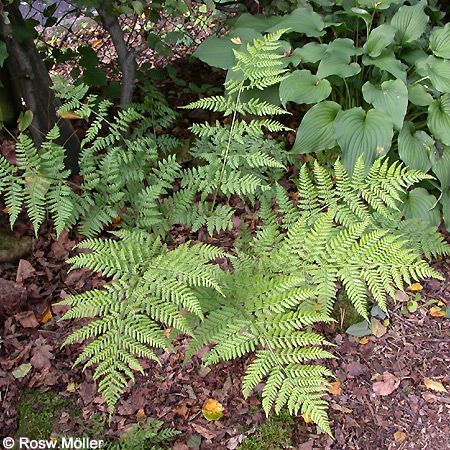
(376, 78)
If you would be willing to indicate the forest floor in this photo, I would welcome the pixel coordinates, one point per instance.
(385, 397)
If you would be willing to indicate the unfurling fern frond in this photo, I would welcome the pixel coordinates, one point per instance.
(151, 287)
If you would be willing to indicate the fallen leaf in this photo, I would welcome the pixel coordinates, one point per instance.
(434, 385)
(41, 356)
(340, 408)
(24, 270)
(415, 287)
(71, 387)
(46, 316)
(202, 431)
(412, 306)
(335, 388)
(399, 436)
(364, 340)
(21, 371)
(435, 311)
(401, 296)
(69, 115)
(386, 385)
(27, 319)
(307, 418)
(355, 369)
(140, 415)
(236, 40)
(377, 328)
(181, 410)
(212, 409)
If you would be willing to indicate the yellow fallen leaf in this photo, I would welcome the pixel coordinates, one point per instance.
(364, 340)
(399, 436)
(212, 409)
(340, 408)
(140, 415)
(69, 115)
(435, 311)
(5, 210)
(71, 387)
(116, 220)
(236, 40)
(415, 287)
(307, 418)
(434, 385)
(335, 388)
(46, 316)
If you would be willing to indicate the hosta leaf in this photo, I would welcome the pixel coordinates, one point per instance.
(420, 204)
(259, 23)
(391, 97)
(218, 51)
(439, 118)
(378, 4)
(316, 131)
(445, 203)
(410, 22)
(301, 20)
(415, 149)
(440, 41)
(387, 62)
(418, 95)
(379, 38)
(360, 133)
(440, 162)
(336, 60)
(302, 86)
(311, 53)
(437, 70)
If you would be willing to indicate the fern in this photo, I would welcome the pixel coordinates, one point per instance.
(151, 287)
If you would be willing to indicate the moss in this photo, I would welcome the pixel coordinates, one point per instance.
(344, 312)
(275, 434)
(38, 412)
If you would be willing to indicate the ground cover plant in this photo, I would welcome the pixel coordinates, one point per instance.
(207, 239)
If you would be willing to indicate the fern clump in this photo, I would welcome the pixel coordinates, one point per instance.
(152, 288)
(237, 160)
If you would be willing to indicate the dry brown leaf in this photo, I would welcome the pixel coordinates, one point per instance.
(399, 436)
(140, 415)
(335, 388)
(340, 408)
(434, 385)
(377, 328)
(27, 319)
(24, 270)
(401, 296)
(46, 316)
(386, 385)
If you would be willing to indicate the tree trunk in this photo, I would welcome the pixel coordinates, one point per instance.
(34, 83)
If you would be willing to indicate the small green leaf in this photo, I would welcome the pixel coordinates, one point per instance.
(24, 120)
(302, 86)
(379, 38)
(337, 60)
(420, 204)
(440, 41)
(360, 133)
(410, 22)
(391, 97)
(412, 306)
(316, 131)
(439, 118)
(359, 329)
(21, 371)
(415, 149)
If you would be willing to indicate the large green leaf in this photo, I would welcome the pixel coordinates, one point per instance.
(440, 162)
(316, 131)
(301, 86)
(445, 203)
(360, 133)
(387, 62)
(418, 95)
(391, 97)
(301, 20)
(439, 118)
(410, 22)
(311, 53)
(256, 22)
(420, 204)
(415, 148)
(218, 51)
(437, 70)
(440, 41)
(337, 59)
(379, 38)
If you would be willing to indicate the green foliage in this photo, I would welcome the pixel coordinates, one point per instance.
(377, 75)
(145, 436)
(151, 286)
